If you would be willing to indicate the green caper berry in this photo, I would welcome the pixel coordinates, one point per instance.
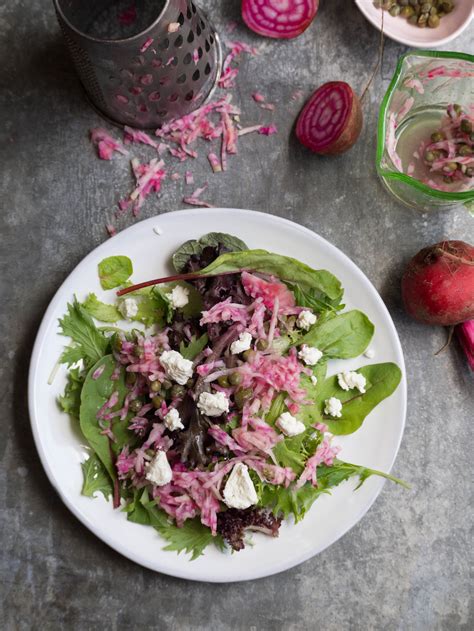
(387, 4)
(422, 20)
(235, 379)
(262, 345)
(177, 391)
(407, 12)
(223, 381)
(157, 401)
(248, 355)
(425, 7)
(135, 405)
(130, 378)
(430, 156)
(437, 136)
(394, 10)
(155, 386)
(470, 171)
(447, 6)
(433, 11)
(466, 126)
(450, 166)
(413, 20)
(457, 108)
(433, 21)
(464, 150)
(166, 384)
(241, 396)
(403, 3)
(414, 3)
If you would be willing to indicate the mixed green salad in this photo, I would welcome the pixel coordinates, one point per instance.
(204, 396)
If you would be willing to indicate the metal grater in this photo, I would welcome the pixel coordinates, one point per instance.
(150, 77)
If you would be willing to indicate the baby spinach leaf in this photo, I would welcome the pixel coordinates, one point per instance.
(382, 381)
(313, 299)
(196, 246)
(293, 452)
(96, 478)
(70, 401)
(100, 310)
(114, 271)
(342, 336)
(192, 350)
(93, 396)
(287, 269)
(90, 344)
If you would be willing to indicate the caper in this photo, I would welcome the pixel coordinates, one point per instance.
(470, 171)
(458, 109)
(177, 391)
(403, 3)
(394, 10)
(425, 7)
(387, 4)
(414, 3)
(130, 378)
(235, 379)
(437, 136)
(447, 6)
(139, 352)
(466, 126)
(450, 167)
(413, 20)
(422, 20)
(441, 14)
(135, 405)
(248, 355)
(464, 150)
(407, 12)
(166, 384)
(430, 156)
(262, 345)
(157, 401)
(433, 21)
(241, 396)
(433, 11)
(223, 381)
(155, 386)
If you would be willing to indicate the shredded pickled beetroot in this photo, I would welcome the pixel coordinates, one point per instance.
(106, 145)
(229, 74)
(148, 180)
(279, 19)
(331, 120)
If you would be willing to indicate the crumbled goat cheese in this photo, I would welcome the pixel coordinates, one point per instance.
(173, 420)
(310, 355)
(289, 425)
(351, 380)
(239, 491)
(176, 367)
(314, 380)
(158, 471)
(242, 344)
(333, 407)
(179, 297)
(369, 353)
(129, 308)
(305, 320)
(157, 230)
(213, 404)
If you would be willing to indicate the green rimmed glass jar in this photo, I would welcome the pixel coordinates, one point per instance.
(424, 84)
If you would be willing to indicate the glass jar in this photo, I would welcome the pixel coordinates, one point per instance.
(424, 84)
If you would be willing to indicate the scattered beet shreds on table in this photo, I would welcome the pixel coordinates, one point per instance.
(217, 122)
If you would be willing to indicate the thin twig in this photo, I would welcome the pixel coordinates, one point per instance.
(379, 60)
(448, 342)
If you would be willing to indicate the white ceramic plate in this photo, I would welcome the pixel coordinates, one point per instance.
(62, 450)
(399, 30)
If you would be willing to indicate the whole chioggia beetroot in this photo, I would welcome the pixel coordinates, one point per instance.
(438, 284)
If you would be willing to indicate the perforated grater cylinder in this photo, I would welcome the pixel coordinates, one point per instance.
(142, 62)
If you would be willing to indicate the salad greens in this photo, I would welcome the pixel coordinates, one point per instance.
(123, 398)
(114, 271)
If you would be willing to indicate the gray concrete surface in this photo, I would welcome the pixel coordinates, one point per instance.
(406, 565)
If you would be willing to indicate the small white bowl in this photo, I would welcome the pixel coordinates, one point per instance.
(452, 25)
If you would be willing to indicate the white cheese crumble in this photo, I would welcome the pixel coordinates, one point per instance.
(310, 355)
(157, 230)
(351, 380)
(213, 404)
(179, 297)
(129, 308)
(173, 420)
(333, 407)
(239, 491)
(369, 353)
(176, 367)
(242, 344)
(158, 471)
(314, 380)
(305, 320)
(289, 424)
